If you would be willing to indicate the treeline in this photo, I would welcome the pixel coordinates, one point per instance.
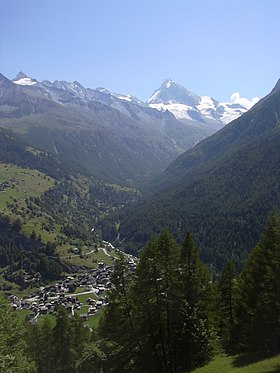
(170, 315)
(26, 261)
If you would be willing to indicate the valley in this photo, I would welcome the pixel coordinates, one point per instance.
(84, 292)
(120, 219)
(139, 186)
(98, 179)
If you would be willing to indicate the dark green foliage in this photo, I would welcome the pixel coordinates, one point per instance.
(224, 189)
(79, 203)
(14, 150)
(40, 346)
(163, 317)
(156, 294)
(92, 359)
(118, 325)
(259, 313)
(63, 343)
(59, 348)
(226, 306)
(13, 357)
(160, 319)
(25, 259)
(197, 336)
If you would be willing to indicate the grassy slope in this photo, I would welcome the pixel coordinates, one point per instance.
(17, 185)
(22, 183)
(242, 364)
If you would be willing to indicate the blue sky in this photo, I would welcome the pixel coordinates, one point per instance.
(212, 47)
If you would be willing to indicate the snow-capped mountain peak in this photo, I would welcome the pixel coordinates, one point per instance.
(170, 97)
(186, 105)
(120, 96)
(23, 79)
(129, 98)
(171, 92)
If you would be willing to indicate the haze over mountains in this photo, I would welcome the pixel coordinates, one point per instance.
(67, 150)
(113, 136)
(170, 96)
(119, 139)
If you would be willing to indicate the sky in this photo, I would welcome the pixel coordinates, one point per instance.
(211, 47)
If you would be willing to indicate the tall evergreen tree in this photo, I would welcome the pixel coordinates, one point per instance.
(33, 341)
(117, 323)
(259, 314)
(80, 335)
(91, 359)
(62, 343)
(156, 297)
(46, 346)
(13, 356)
(197, 313)
(160, 320)
(227, 303)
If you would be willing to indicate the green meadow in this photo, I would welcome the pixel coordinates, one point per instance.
(242, 364)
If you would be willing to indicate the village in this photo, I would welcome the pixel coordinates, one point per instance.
(84, 293)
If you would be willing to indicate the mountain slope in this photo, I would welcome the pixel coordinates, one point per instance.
(226, 186)
(49, 199)
(114, 139)
(14, 150)
(254, 124)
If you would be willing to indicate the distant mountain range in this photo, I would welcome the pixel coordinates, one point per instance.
(112, 136)
(170, 96)
(222, 190)
(186, 105)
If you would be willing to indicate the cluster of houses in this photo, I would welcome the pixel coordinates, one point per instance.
(3, 186)
(93, 283)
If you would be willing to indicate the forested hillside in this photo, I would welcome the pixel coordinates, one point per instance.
(26, 261)
(168, 316)
(223, 189)
(54, 202)
(250, 127)
(16, 151)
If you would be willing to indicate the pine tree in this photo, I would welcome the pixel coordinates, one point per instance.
(117, 323)
(62, 343)
(33, 337)
(46, 347)
(160, 319)
(79, 335)
(91, 359)
(13, 356)
(227, 303)
(197, 312)
(156, 298)
(259, 313)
